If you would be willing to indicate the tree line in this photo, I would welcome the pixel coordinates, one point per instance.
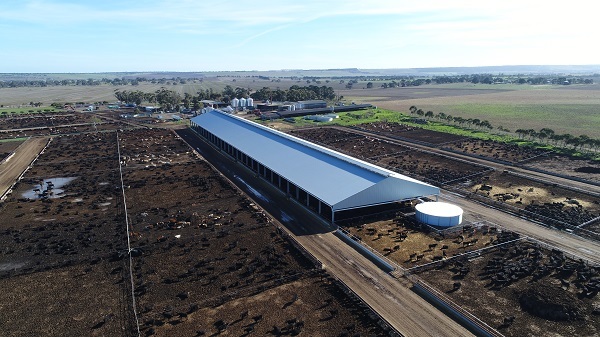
(518, 79)
(171, 100)
(409, 81)
(294, 93)
(447, 118)
(92, 82)
(548, 136)
(168, 100)
(545, 135)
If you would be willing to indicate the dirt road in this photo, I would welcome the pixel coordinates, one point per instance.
(15, 165)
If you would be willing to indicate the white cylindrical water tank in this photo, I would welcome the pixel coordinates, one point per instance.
(250, 102)
(242, 102)
(235, 102)
(439, 214)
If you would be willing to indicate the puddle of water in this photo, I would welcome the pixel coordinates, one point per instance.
(104, 183)
(104, 204)
(53, 187)
(286, 217)
(252, 190)
(11, 265)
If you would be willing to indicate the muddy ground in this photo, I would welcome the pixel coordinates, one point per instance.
(6, 148)
(579, 168)
(410, 132)
(551, 201)
(205, 259)
(51, 124)
(542, 201)
(427, 166)
(512, 153)
(409, 245)
(522, 289)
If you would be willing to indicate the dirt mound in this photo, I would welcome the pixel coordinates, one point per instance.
(551, 303)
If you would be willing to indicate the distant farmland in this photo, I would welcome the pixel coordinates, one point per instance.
(571, 109)
(565, 109)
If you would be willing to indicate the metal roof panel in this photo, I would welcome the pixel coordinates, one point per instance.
(328, 175)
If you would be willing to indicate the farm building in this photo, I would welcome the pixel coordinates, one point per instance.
(314, 104)
(325, 181)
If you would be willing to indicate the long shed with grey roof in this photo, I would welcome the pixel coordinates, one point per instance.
(324, 180)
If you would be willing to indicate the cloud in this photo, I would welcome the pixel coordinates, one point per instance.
(395, 33)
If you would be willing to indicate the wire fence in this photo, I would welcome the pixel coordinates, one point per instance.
(373, 314)
(129, 250)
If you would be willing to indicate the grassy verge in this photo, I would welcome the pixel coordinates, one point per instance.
(21, 139)
(355, 118)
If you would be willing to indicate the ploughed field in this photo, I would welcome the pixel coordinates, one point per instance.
(204, 259)
(522, 289)
(543, 201)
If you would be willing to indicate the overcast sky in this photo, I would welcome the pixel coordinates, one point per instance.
(212, 35)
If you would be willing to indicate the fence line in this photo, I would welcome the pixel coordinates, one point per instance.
(382, 321)
(379, 255)
(543, 181)
(551, 247)
(589, 222)
(469, 319)
(470, 254)
(300, 248)
(135, 314)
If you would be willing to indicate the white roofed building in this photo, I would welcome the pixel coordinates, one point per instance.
(323, 180)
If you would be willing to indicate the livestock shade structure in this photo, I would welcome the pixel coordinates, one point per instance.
(439, 214)
(324, 180)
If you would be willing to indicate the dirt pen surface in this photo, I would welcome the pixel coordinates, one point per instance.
(549, 201)
(427, 166)
(48, 124)
(523, 289)
(409, 245)
(552, 204)
(511, 153)
(410, 132)
(205, 260)
(6, 148)
(488, 149)
(578, 168)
